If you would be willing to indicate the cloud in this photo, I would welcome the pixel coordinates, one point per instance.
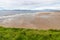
(29, 4)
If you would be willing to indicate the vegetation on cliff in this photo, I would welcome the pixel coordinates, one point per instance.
(28, 34)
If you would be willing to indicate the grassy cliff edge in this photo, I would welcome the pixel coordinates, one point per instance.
(28, 34)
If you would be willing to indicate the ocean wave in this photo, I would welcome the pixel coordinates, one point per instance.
(10, 16)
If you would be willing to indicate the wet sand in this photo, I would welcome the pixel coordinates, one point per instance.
(40, 20)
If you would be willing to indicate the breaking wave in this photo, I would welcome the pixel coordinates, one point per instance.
(10, 16)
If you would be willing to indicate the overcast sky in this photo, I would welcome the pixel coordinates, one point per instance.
(30, 4)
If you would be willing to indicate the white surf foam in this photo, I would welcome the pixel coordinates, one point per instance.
(10, 16)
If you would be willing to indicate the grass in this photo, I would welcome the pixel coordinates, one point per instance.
(28, 34)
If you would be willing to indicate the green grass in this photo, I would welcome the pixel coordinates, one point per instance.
(28, 34)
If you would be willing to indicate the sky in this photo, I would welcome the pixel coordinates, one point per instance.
(29, 4)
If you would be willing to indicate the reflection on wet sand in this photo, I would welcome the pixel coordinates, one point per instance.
(41, 20)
